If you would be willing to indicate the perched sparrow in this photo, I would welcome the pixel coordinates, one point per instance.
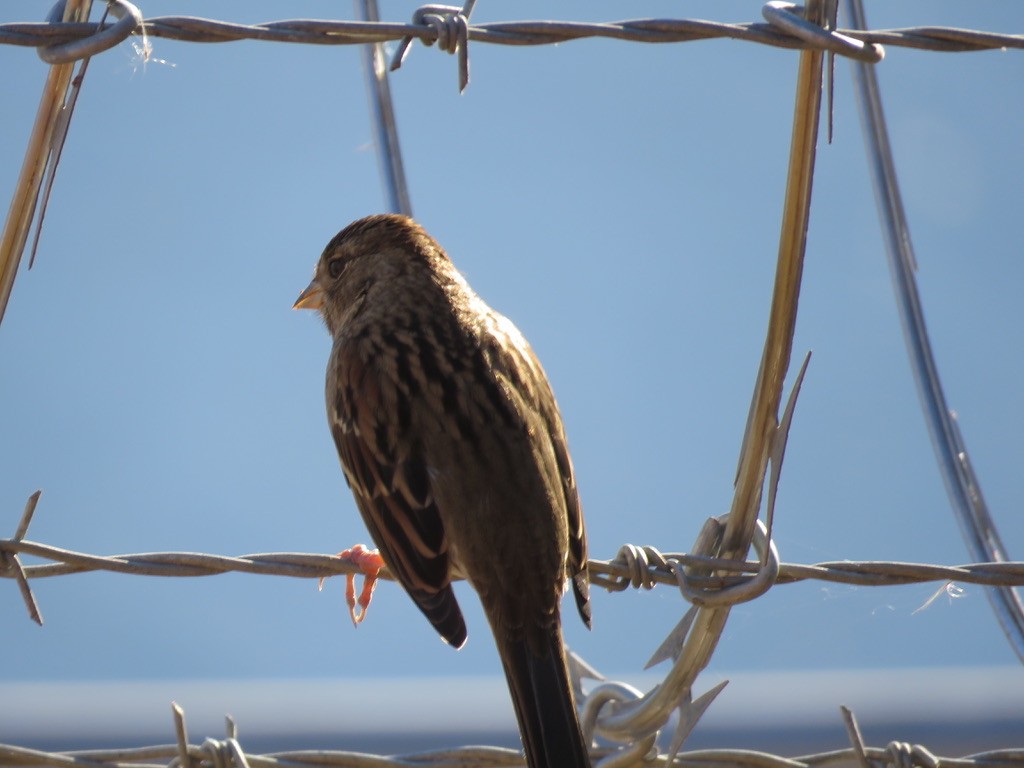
(451, 441)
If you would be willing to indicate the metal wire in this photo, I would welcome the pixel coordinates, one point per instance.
(216, 753)
(614, 575)
(324, 32)
(962, 485)
(382, 111)
(129, 21)
(634, 719)
(700, 630)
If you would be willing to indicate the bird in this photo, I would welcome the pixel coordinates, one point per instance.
(454, 448)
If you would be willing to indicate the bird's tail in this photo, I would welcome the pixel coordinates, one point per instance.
(538, 679)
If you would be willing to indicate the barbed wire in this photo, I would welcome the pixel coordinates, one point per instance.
(636, 566)
(633, 566)
(639, 567)
(210, 755)
(228, 752)
(520, 33)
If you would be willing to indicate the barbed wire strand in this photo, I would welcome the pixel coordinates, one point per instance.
(615, 575)
(215, 753)
(519, 33)
(962, 485)
(635, 721)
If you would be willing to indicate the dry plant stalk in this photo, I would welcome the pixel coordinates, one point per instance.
(26, 194)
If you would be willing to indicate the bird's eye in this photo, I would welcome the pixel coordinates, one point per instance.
(335, 267)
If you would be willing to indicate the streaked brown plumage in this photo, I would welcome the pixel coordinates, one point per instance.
(452, 443)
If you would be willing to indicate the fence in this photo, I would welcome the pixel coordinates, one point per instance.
(714, 575)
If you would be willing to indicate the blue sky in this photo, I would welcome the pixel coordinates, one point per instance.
(621, 203)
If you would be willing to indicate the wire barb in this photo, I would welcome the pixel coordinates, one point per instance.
(183, 760)
(778, 451)
(450, 30)
(11, 565)
(856, 740)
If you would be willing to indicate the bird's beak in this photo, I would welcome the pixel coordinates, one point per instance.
(311, 298)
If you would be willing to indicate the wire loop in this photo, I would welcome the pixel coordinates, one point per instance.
(731, 594)
(129, 19)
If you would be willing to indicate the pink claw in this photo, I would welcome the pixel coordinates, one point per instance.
(369, 562)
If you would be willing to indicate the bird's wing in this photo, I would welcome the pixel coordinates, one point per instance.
(391, 484)
(514, 356)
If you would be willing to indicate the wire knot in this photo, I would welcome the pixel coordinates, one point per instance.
(638, 561)
(129, 19)
(448, 23)
(219, 753)
(450, 27)
(900, 754)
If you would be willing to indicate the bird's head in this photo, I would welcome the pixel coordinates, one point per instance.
(383, 250)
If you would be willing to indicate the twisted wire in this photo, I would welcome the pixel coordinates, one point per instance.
(529, 33)
(229, 754)
(644, 568)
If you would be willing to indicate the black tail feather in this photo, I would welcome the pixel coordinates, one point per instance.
(538, 680)
(443, 611)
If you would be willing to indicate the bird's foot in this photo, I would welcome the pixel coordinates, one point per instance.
(369, 562)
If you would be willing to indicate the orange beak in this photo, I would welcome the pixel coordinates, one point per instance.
(311, 298)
